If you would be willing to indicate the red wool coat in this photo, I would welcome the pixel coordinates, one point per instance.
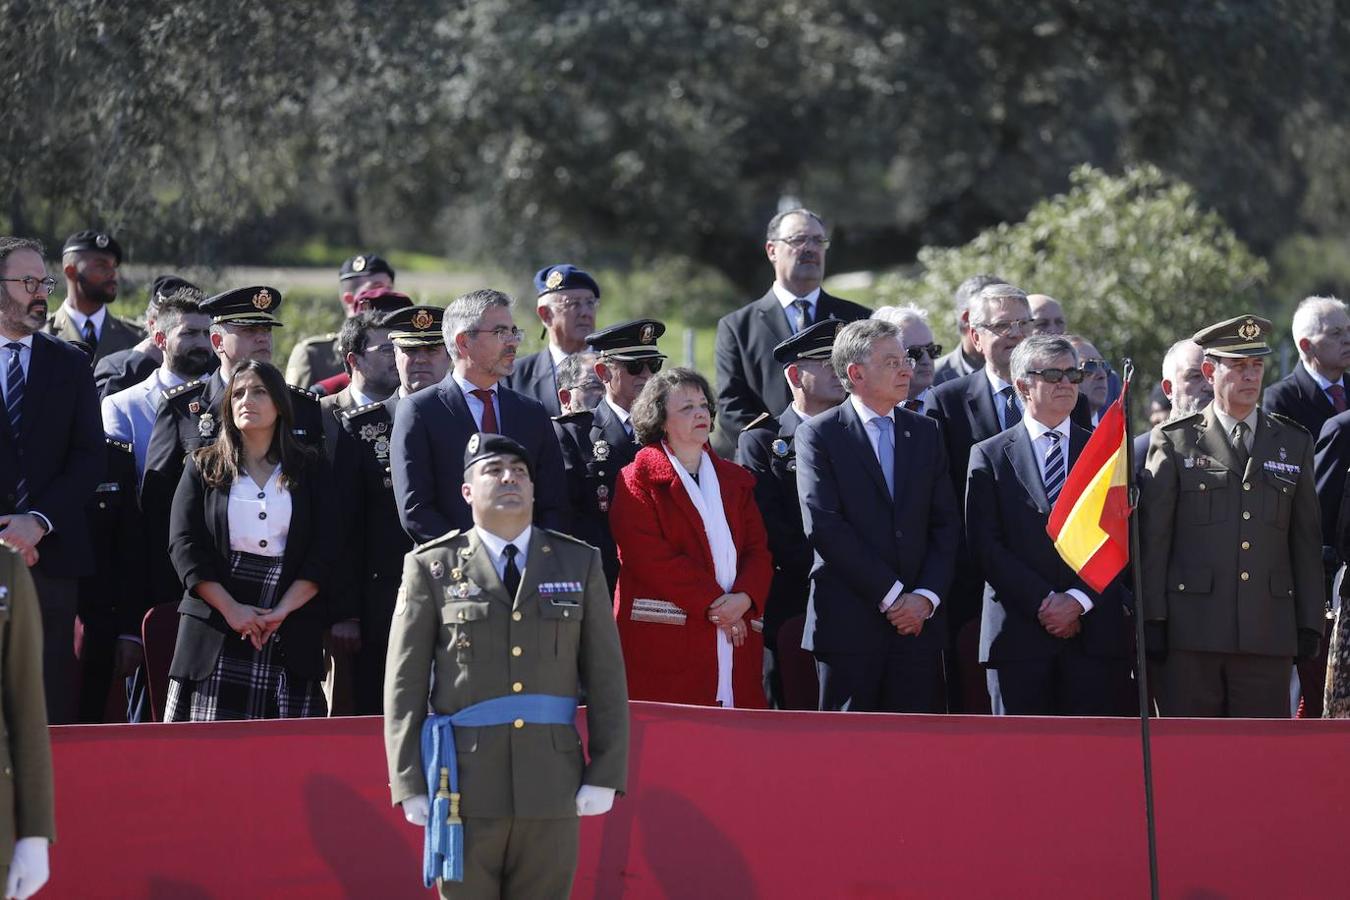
(664, 555)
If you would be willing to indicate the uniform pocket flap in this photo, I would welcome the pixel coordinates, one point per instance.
(1192, 581)
(1203, 479)
(466, 610)
(554, 609)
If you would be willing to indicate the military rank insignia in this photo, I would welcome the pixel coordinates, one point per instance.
(206, 425)
(262, 299)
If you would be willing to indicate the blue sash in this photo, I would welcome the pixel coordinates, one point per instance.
(443, 847)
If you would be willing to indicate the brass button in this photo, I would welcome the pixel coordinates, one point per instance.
(1181, 587)
(516, 616)
(1246, 545)
(519, 723)
(1286, 490)
(8, 771)
(1246, 514)
(1202, 485)
(566, 613)
(517, 687)
(461, 615)
(516, 651)
(1246, 485)
(1244, 576)
(102, 505)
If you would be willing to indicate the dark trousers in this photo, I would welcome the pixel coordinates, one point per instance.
(535, 858)
(903, 679)
(59, 598)
(1069, 683)
(1225, 685)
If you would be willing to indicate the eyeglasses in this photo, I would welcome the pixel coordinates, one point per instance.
(589, 304)
(1006, 329)
(501, 332)
(1055, 376)
(31, 283)
(382, 349)
(1094, 365)
(798, 241)
(918, 350)
(635, 366)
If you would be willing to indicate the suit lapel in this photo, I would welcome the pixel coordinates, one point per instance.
(1313, 392)
(862, 444)
(980, 400)
(38, 383)
(607, 427)
(772, 317)
(1021, 452)
(453, 398)
(64, 326)
(900, 438)
(1215, 442)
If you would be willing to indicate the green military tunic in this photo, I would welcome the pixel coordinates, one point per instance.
(313, 359)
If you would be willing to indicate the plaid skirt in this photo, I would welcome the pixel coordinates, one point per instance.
(247, 683)
(1336, 695)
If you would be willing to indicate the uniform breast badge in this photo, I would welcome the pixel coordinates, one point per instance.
(438, 569)
(600, 450)
(779, 448)
(206, 425)
(602, 497)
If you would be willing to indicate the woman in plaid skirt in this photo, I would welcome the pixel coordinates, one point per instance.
(251, 537)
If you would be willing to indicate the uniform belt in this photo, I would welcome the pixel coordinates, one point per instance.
(443, 847)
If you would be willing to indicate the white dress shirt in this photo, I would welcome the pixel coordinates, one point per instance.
(476, 405)
(1322, 383)
(866, 414)
(1041, 444)
(259, 518)
(496, 548)
(787, 298)
(621, 414)
(98, 318)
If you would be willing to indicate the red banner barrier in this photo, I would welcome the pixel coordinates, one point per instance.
(733, 804)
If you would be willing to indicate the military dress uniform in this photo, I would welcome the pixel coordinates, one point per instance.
(456, 621)
(315, 358)
(116, 335)
(1231, 552)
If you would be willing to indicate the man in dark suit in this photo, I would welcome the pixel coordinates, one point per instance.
(368, 357)
(749, 380)
(1053, 639)
(879, 511)
(597, 444)
(568, 301)
(90, 260)
(52, 457)
(965, 356)
(1316, 390)
(766, 449)
(433, 426)
(1230, 542)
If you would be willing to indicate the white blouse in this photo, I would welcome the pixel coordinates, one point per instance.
(259, 518)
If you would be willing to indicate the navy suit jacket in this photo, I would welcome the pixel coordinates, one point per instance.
(535, 377)
(1006, 514)
(863, 540)
(426, 458)
(1330, 463)
(63, 453)
(1297, 396)
(749, 380)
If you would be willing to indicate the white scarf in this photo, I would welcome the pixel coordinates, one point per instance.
(706, 495)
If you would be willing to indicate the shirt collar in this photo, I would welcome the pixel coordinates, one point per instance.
(360, 398)
(785, 297)
(468, 387)
(1228, 421)
(998, 384)
(621, 414)
(865, 412)
(1323, 383)
(1037, 430)
(26, 340)
(166, 379)
(79, 318)
(557, 355)
(497, 545)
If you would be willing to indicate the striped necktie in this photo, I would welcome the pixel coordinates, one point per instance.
(1012, 413)
(1054, 466)
(803, 315)
(14, 409)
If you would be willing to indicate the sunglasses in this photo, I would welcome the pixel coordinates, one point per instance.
(918, 350)
(635, 366)
(1094, 365)
(1055, 376)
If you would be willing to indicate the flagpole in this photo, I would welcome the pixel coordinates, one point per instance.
(1140, 663)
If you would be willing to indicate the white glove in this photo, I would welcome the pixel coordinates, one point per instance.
(594, 801)
(416, 810)
(28, 870)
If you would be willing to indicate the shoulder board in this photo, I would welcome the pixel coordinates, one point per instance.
(757, 421)
(567, 538)
(302, 392)
(319, 339)
(438, 542)
(357, 411)
(1285, 420)
(184, 388)
(1174, 424)
(571, 416)
(120, 445)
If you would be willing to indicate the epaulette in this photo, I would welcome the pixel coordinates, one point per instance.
(120, 445)
(356, 411)
(568, 539)
(303, 393)
(1285, 420)
(1173, 424)
(183, 388)
(437, 542)
(569, 416)
(319, 339)
(758, 421)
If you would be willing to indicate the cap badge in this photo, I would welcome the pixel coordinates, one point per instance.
(422, 320)
(779, 448)
(554, 280)
(437, 569)
(1249, 330)
(206, 425)
(473, 444)
(262, 299)
(101, 241)
(648, 334)
(600, 450)
(359, 264)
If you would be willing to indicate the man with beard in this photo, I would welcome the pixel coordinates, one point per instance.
(315, 358)
(181, 334)
(433, 427)
(90, 260)
(368, 357)
(52, 457)
(568, 301)
(749, 380)
(119, 371)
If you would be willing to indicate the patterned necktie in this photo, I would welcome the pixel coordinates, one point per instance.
(1012, 413)
(90, 335)
(803, 314)
(14, 409)
(885, 430)
(1240, 445)
(489, 413)
(1337, 394)
(511, 576)
(1054, 466)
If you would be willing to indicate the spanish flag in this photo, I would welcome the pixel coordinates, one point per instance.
(1089, 523)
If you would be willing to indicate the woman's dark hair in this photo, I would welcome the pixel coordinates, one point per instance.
(649, 409)
(221, 462)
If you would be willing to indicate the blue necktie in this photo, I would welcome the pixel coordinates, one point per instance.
(1054, 466)
(1012, 413)
(14, 408)
(885, 430)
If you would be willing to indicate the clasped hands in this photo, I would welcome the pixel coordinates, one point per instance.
(22, 531)
(909, 612)
(727, 613)
(253, 623)
(1060, 615)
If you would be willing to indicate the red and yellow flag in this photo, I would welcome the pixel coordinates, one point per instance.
(1090, 520)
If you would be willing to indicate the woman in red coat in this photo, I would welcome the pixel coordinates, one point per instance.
(694, 563)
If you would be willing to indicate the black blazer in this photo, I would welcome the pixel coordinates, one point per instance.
(64, 456)
(864, 542)
(1296, 396)
(534, 376)
(749, 380)
(432, 429)
(1006, 513)
(199, 545)
(1330, 463)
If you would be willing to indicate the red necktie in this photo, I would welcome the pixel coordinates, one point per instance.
(489, 414)
(1337, 397)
